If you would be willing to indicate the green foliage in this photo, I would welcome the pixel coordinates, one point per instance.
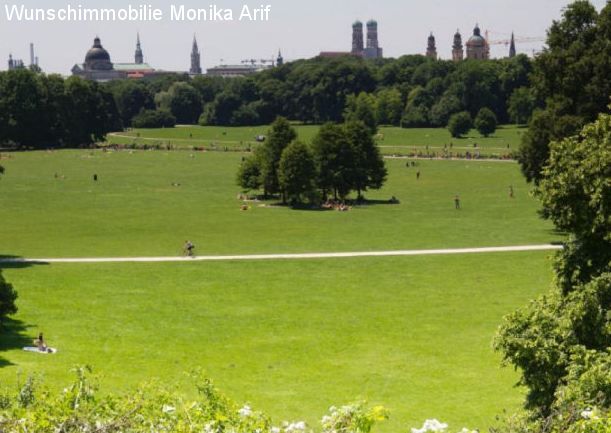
(573, 77)
(131, 98)
(154, 119)
(335, 161)
(41, 111)
(485, 122)
(362, 108)
(297, 173)
(459, 124)
(520, 106)
(389, 106)
(183, 101)
(561, 341)
(79, 408)
(369, 168)
(442, 110)
(8, 296)
(576, 196)
(249, 175)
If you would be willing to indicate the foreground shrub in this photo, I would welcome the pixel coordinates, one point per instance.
(151, 408)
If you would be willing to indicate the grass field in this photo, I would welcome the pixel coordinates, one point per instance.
(133, 210)
(290, 337)
(391, 139)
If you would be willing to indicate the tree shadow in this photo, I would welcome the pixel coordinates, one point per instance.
(17, 262)
(15, 335)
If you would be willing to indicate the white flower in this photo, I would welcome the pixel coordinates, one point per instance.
(431, 425)
(245, 411)
(167, 408)
(325, 419)
(275, 430)
(589, 414)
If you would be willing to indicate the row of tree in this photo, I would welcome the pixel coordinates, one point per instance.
(342, 158)
(413, 91)
(39, 110)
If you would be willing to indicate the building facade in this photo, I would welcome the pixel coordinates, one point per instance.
(457, 47)
(477, 46)
(431, 48)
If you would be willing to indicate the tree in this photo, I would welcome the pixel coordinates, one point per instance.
(8, 296)
(183, 101)
(297, 173)
(460, 124)
(335, 161)
(520, 106)
(279, 137)
(369, 168)
(389, 106)
(485, 122)
(573, 77)
(557, 339)
(249, 174)
(154, 119)
(362, 108)
(442, 110)
(131, 98)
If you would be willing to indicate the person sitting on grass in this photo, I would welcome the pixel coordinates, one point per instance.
(40, 343)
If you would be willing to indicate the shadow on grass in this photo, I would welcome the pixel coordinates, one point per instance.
(17, 262)
(15, 335)
(348, 203)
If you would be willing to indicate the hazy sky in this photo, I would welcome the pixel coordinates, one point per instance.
(301, 29)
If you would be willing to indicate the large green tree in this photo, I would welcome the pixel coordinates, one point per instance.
(362, 108)
(183, 101)
(485, 122)
(335, 158)
(297, 173)
(560, 340)
(573, 77)
(369, 168)
(460, 123)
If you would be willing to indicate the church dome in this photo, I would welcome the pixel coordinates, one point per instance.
(97, 57)
(476, 40)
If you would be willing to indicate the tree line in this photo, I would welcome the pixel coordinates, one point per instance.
(341, 159)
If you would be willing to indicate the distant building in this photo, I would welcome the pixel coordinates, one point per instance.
(373, 50)
(431, 49)
(97, 66)
(357, 38)
(477, 46)
(512, 47)
(196, 68)
(243, 70)
(138, 56)
(457, 47)
(279, 59)
(14, 63)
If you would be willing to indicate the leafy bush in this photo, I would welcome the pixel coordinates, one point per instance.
(154, 119)
(460, 124)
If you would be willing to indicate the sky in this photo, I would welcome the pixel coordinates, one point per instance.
(300, 28)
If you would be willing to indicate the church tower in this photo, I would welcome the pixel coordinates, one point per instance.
(357, 38)
(139, 58)
(431, 49)
(457, 48)
(279, 59)
(512, 47)
(196, 68)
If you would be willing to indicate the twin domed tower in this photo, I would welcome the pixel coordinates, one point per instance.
(372, 50)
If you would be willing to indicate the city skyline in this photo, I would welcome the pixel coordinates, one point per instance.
(299, 30)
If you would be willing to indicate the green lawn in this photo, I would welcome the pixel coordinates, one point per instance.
(391, 139)
(290, 337)
(134, 210)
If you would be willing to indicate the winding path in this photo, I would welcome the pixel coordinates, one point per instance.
(298, 256)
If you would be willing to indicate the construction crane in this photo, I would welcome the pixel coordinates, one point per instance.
(517, 39)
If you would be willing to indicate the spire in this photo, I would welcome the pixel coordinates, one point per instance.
(512, 47)
(196, 68)
(431, 49)
(139, 58)
(280, 59)
(457, 47)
